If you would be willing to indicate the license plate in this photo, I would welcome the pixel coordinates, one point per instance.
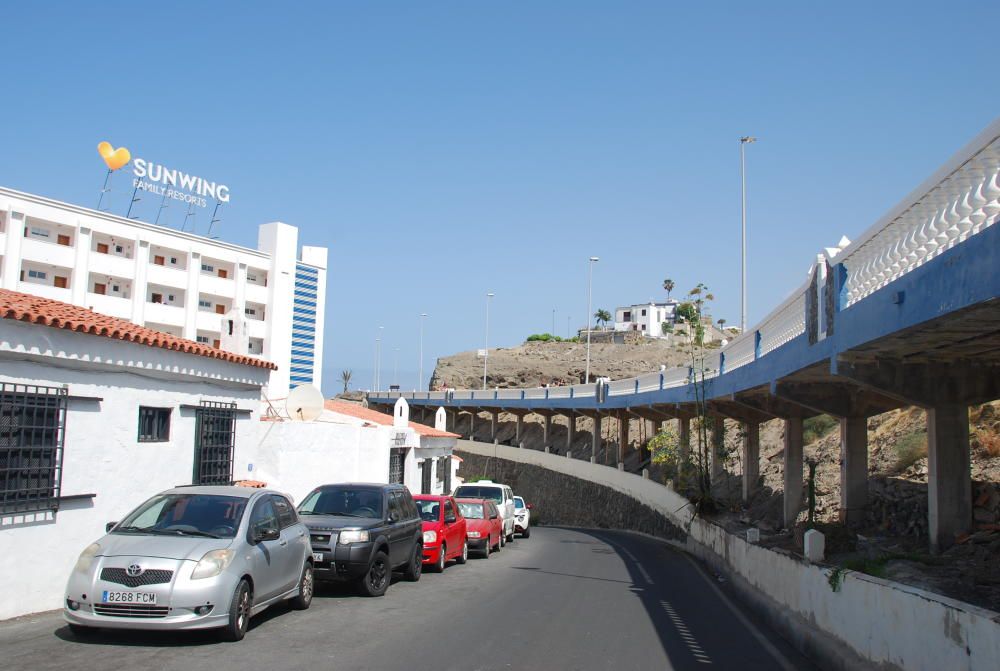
(317, 556)
(128, 597)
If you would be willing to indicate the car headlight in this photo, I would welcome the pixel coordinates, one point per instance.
(430, 537)
(212, 564)
(348, 536)
(473, 534)
(86, 559)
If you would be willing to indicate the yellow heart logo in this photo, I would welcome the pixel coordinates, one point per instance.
(115, 158)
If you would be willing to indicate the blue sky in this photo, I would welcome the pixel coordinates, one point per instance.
(446, 149)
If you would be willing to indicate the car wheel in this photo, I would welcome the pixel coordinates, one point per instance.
(375, 581)
(239, 613)
(464, 557)
(80, 631)
(489, 548)
(306, 586)
(439, 566)
(416, 565)
(502, 541)
(526, 533)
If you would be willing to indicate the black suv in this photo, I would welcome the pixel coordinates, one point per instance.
(362, 533)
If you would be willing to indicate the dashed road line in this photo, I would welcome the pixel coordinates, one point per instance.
(689, 640)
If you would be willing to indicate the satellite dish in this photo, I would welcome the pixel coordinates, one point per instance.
(304, 403)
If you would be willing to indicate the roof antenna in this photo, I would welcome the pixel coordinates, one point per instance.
(190, 213)
(135, 199)
(105, 189)
(163, 206)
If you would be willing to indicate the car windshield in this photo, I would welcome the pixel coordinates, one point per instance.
(430, 511)
(473, 511)
(518, 502)
(343, 501)
(475, 492)
(203, 515)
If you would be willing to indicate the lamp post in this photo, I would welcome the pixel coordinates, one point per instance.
(395, 366)
(744, 141)
(590, 283)
(378, 359)
(486, 352)
(420, 379)
(553, 321)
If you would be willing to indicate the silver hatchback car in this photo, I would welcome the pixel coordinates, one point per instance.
(193, 558)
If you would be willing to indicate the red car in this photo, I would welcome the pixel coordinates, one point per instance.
(485, 528)
(444, 530)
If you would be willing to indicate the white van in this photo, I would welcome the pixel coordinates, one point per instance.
(502, 495)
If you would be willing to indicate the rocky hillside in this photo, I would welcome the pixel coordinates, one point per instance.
(535, 364)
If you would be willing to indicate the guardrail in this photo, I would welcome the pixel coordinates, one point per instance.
(959, 200)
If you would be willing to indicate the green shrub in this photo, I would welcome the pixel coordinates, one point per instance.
(548, 337)
(816, 427)
(910, 449)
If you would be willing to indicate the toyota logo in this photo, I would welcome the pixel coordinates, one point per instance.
(134, 570)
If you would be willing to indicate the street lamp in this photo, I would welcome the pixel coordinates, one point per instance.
(378, 359)
(486, 352)
(590, 282)
(744, 141)
(395, 366)
(420, 380)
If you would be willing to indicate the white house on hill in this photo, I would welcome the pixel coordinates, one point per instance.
(647, 318)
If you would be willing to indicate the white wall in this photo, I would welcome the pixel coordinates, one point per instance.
(891, 625)
(101, 456)
(296, 457)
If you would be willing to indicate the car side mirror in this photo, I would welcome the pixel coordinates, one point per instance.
(109, 526)
(265, 534)
(393, 518)
(450, 519)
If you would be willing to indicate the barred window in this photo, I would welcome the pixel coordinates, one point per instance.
(32, 430)
(154, 425)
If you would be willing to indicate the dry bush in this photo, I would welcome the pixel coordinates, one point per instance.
(989, 441)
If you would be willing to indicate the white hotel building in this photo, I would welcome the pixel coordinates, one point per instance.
(266, 302)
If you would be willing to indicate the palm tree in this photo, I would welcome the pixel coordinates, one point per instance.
(345, 377)
(602, 317)
(668, 286)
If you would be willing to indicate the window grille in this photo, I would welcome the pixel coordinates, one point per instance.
(425, 476)
(396, 458)
(154, 425)
(215, 439)
(444, 465)
(32, 433)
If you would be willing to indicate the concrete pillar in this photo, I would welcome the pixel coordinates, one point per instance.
(570, 429)
(684, 444)
(751, 458)
(518, 429)
(949, 480)
(547, 430)
(596, 436)
(472, 425)
(717, 428)
(191, 294)
(793, 470)
(494, 424)
(853, 469)
(79, 284)
(622, 435)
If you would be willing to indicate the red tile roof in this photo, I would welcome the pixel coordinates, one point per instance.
(56, 314)
(367, 414)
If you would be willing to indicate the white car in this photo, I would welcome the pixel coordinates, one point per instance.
(501, 495)
(522, 517)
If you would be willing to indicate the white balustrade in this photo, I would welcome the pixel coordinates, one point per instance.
(740, 352)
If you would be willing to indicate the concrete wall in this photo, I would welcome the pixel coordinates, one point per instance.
(868, 620)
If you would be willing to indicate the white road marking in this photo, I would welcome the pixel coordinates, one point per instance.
(690, 641)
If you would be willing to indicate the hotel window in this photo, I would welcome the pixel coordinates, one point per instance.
(251, 277)
(154, 425)
(206, 268)
(119, 249)
(202, 339)
(205, 304)
(115, 288)
(249, 311)
(39, 232)
(173, 260)
(37, 274)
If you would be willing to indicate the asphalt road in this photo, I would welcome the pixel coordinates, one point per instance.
(562, 599)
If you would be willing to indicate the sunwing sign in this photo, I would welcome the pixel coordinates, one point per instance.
(160, 180)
